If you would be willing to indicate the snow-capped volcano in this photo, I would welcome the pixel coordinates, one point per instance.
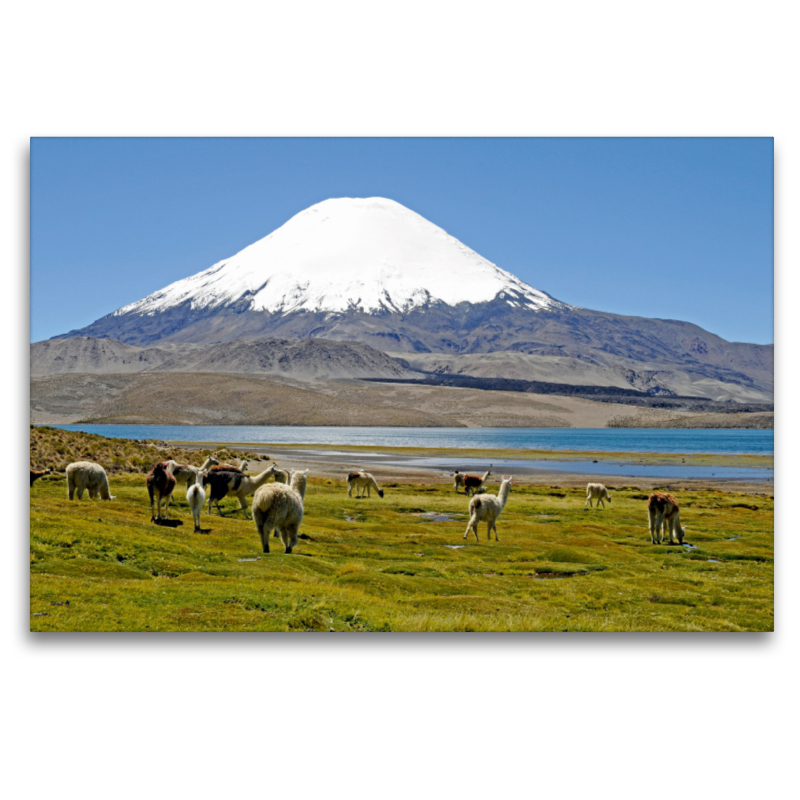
(374, 272)
(347, 254)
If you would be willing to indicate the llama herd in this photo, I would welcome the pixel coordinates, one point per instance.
(278, 504)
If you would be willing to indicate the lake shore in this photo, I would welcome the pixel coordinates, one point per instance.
(400, 464)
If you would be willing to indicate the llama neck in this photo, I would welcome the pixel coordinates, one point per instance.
(502, 495)
(260, 480)
(298, 484)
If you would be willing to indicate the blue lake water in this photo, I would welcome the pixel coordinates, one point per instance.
(612, 440)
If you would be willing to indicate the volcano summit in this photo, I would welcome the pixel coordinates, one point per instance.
(373, 271)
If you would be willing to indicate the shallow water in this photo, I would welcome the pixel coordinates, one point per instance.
(432, 516)
(624, 440)
(597, 468)
(610, 468)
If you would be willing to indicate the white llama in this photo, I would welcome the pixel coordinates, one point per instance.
(487, 508)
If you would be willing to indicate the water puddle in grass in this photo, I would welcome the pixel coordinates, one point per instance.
(432, 516)
(690, 546)
(455, 546)
(733, 538)
(714, 560)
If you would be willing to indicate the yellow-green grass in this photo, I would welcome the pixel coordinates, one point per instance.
(378, 565)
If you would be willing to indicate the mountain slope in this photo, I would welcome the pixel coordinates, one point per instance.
(372, 271)
(311, 359)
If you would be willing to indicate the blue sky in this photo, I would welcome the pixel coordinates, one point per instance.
(678, 228)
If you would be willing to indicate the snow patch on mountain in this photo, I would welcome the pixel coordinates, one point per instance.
(348, 254)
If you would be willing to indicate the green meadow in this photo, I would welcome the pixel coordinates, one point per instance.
(400, 564)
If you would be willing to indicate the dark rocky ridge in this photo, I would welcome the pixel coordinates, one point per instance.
(603, 394)
(642, 353)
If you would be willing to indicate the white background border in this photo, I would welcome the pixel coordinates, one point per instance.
(392, 716)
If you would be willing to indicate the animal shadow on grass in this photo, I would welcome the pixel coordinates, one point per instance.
(168, 523)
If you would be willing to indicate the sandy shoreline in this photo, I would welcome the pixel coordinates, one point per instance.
(389, 466)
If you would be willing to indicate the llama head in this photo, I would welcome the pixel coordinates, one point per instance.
(298, 482)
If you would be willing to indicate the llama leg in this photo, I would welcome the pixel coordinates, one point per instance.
(263, 532)
(289, 537)
(600, 502)
(472, 521)
(669, 523)
(70, 488)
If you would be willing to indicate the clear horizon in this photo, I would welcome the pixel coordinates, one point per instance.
(668, 228)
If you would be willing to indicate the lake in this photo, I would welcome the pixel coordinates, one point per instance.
(611, 440)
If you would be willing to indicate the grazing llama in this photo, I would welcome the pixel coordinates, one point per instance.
(90, 476)
(663, 509)
(362, 481)
(596, 491)
(279, 507)
(36, 474)
(196, 498)
(225, 468)
(231, 483)
(474, 483)
(458, 480)
(160, 485)
(185, 473)
(487, 508)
